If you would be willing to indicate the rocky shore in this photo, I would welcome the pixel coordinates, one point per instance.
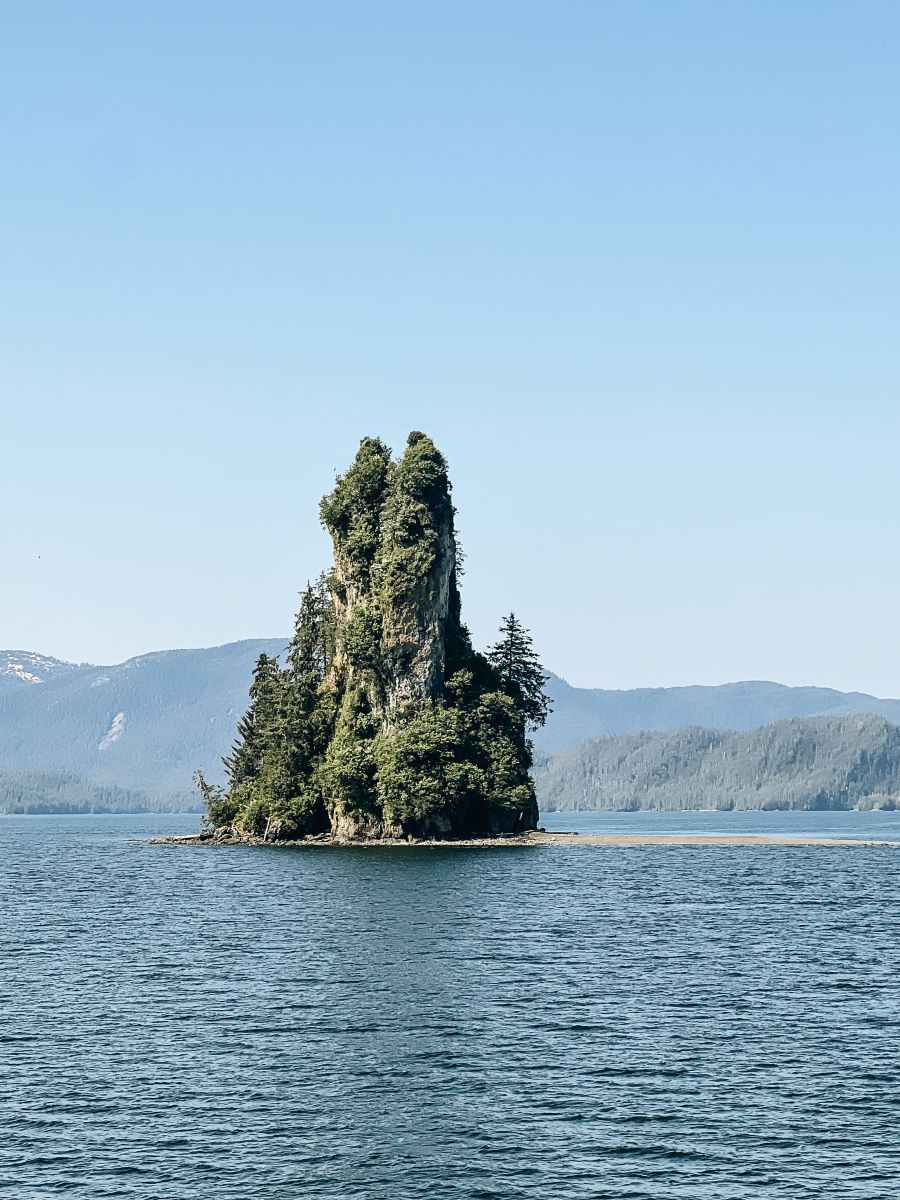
(224, 837)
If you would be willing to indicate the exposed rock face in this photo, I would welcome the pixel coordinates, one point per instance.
(394, 587)
(414, 628)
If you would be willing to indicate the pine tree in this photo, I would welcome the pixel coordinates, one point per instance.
(521, 674)
(308, 658)
(255, 727)
(312, 646)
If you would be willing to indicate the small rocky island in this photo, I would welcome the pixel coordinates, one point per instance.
(383, 722)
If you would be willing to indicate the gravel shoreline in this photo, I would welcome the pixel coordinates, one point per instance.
(535, 838)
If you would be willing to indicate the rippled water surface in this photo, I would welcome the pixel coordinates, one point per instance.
(704, 1022)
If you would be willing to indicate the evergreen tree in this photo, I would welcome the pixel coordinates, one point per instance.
(306, 719)
(521, 674)
(221, 808)
(255, 728)
(312, 646)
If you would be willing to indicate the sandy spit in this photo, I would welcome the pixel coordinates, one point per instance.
(538, 839)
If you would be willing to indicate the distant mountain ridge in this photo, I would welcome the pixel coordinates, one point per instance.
(147, 724)
(580, 713)
(22, 667)
(804, 762)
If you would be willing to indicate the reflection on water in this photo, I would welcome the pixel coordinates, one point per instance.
(714, 1023)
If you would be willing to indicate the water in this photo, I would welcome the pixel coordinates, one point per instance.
(496, 1024)
(880, 826)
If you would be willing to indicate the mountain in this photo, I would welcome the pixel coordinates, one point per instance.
(21, 668)
(145, 724)
(811, 762)
(580, 713)
(149, 723)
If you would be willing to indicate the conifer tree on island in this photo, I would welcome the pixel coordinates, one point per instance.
(383, 720)
(520, 671)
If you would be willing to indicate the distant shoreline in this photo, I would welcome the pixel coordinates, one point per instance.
(535, 838)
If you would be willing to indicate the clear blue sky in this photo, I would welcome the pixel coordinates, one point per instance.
(633, 265)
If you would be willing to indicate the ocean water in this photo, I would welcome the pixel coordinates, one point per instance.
(668, 1022)
(861, 826)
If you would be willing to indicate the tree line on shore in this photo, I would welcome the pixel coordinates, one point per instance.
(45, 792)
(802, 763)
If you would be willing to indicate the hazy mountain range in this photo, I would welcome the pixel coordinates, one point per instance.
(132, 735)
(145, 724)
(581, 713)
(805, 762)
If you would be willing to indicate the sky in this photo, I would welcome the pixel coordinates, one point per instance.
(633, 265)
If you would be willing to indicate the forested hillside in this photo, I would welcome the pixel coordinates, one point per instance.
(145, 725)
(33, 792)
(817, 762)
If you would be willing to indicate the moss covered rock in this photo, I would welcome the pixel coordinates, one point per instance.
(384, 720)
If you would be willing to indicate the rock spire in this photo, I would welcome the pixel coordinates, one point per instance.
(384, 720)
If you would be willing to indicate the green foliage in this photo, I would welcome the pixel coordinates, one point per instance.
(362, 637)
(521, 674)
(803, 763)
(424, 782)
(255, 729)
(254, 817)
(416, 507)
(323, 741)
(312, 647)
(284, 733)
(502, 749)
(346, 777)
(462, 763)
(352, 512)
(221, 807)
